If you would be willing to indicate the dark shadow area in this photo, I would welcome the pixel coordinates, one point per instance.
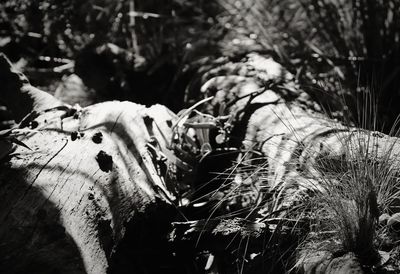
(33, 240)
(111, 72)
(145, 247)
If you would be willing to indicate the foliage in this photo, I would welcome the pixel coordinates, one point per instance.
(333, 46)
(61, 28)
(336, 47)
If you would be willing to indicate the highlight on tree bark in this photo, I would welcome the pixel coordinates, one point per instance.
(251, 177)
(86, 181)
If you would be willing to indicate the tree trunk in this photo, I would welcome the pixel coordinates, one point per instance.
(93, 182)
(85, 178)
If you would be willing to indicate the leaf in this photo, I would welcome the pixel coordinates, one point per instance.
(186, 113)
(385, 256)
(206, 149)
(5, 133)
(206, 125)
(5, 137)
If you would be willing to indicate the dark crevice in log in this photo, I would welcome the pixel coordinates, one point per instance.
(145, 247)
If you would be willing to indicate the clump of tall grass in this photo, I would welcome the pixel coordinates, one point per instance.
(349, 196)
(360, 183)
(350, 188)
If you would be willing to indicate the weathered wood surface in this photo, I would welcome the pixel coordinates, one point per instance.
(65, 186)
(89, 174)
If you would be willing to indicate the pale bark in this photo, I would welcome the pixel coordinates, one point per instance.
(89, 174)
(67, 198)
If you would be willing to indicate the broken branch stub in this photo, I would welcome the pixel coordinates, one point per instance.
(17, 94)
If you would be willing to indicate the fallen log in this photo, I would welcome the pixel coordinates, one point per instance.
(296, 153)
(82, 180)
(90, 172)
